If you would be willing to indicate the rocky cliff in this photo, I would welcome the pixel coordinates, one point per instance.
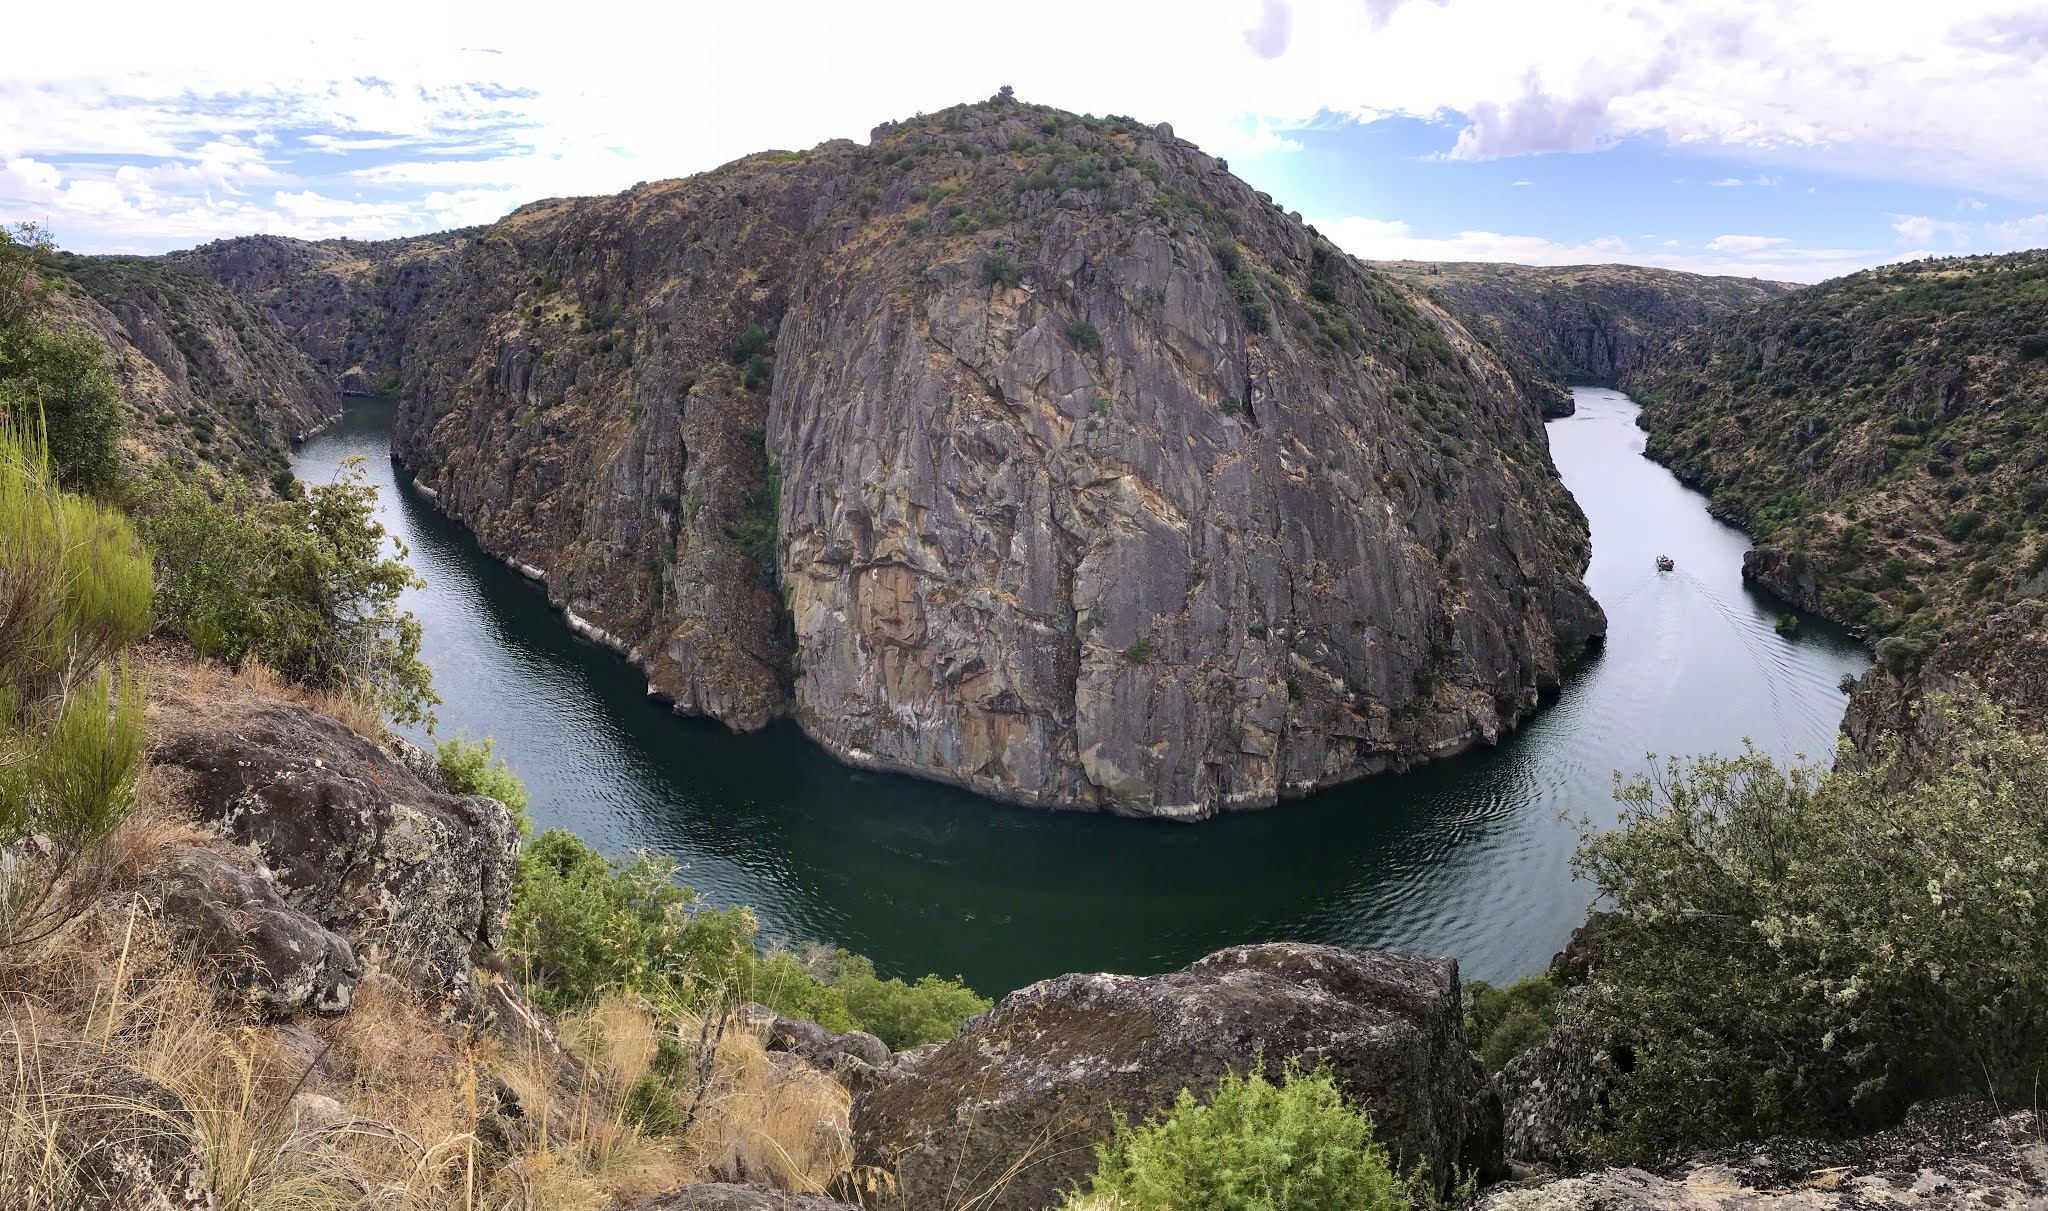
(346, 304)
(1578, 324)
(1027, 451)
(205, 374)
(1882, 436)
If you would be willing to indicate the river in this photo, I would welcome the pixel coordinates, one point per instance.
(1468, 857)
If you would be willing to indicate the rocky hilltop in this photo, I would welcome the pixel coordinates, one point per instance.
(1882, 436)
(1583, 324)
(345, 303)
(1023, 450)
(205, 375)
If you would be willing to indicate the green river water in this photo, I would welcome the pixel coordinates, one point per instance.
(1467, 857)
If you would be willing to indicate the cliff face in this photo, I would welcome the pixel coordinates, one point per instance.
(346, 304)
(1882, 436)
(204, 374)
(1584, 324)
(1087, 477)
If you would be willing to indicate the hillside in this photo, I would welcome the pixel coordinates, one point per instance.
(1018, 449)
(1577, 324)
(204, 374)
(1882, 436)
(345, 303)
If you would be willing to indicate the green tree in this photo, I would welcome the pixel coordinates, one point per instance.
(470, 768)
(308, 586)
(1806, 949)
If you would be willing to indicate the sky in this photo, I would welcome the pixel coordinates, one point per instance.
(1773, 138)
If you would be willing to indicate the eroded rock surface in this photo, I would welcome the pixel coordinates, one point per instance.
(1948, 1155)
(416, 879)
(258, 948)
(1018, 1099)
(1063, 465)
(724, 1196)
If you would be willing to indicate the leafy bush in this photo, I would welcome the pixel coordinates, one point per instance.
(306, 586)
(1083, 334)
(469, 768)
(998, 266)
(1806, 949)
(1141, 651)
(1245, 289)
(581, 926)
(900, 1014)
(1296, 1146)
(1505, 1022)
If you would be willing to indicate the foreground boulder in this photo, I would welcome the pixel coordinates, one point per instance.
(1009, 1111)
(722, 1196)
(1955, 1153)
(415, 878)
(260, 949)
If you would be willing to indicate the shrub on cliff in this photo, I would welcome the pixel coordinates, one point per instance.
(1505, 1022)
(1812, 950)
(307, 586)
(470, 768)
(1253, 1146)
(74, 593)
(582, 926)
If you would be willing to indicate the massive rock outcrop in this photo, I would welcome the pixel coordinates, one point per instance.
(1030, 452)
(346, 304)
(1578, 324)
(1009, 1110)
(205, 374)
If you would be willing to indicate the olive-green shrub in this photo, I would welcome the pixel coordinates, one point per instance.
(1253, 1146)
(1812, 950)
(56, 378)
(470, 768)
(74, 594)
(583, 925)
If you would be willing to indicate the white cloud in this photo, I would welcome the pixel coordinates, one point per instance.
(1929, 94)
(1523, 181)
(1746, 243)
(1727, 182)
(1920, 229)
(1769, 257)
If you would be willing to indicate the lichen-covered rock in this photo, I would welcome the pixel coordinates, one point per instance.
(258, 948)
(1552, 1089)
(856, 1058)
(126, 1141)
(1088, 477)
(1954, 1154)
(726, 1196)
(1016, 1101)
(417, 879)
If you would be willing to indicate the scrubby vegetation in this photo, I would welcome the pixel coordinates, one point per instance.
(1505, 1022)
(470, 767)
(1883, 434)
(583, 926)
(305, 585)
(1298, 1145)
(56, 379)
(1812, 950)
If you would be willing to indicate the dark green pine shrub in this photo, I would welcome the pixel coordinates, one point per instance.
(998, 266)
(1083, 334)
(1505, 1022)
(74, 594)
